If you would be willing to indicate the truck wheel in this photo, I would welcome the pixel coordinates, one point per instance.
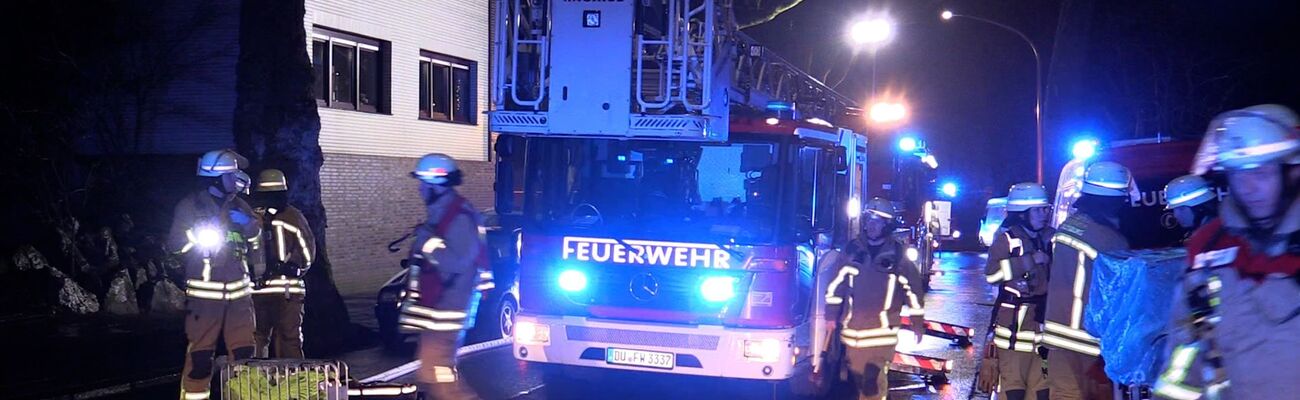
(506, 316)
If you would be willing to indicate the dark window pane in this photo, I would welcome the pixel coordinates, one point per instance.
(441, 107)
(344, 61)
(424, 89)
(369, 81)
(460, 95)
(320, 68)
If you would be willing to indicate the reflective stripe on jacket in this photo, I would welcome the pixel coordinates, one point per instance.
(871, 290)
(1075, 247)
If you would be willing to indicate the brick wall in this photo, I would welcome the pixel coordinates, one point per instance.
(370, 201)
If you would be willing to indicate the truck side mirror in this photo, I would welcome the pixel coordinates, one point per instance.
(841, 160)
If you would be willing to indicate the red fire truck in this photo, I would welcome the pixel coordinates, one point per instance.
(677, 183)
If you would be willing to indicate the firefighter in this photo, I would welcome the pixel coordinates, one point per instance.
(1235, 328)
(289, 248)
(1074, 362)
(1192, 201)
(216, 233)
(1018, 262)
(445, 261)
(877, 277)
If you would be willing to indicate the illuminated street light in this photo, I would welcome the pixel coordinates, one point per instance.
(874, 32)
(946, 15)
(886, 112)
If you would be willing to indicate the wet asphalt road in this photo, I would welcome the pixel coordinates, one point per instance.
(958, 295)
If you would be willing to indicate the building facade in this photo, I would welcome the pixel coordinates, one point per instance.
(396, 79)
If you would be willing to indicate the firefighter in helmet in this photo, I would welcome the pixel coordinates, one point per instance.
(445, 260)
(1235, 330)
(1018, 263)
(289, 248)
(1074, 362)
(876, 279)
(216, 235)
(1192, 201)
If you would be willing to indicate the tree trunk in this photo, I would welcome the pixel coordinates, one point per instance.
(277, 126)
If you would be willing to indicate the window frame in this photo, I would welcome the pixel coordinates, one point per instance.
(427, 92)
(358, 44)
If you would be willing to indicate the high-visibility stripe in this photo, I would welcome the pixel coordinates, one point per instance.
(443, 374)
(213, 295)
(868, 333)
(1005, 344)
(1067, 344)
(889, 300)
(435, 314)
(1070, 333)
(1076, 308)
(430, 325)
(207, 269)
(845, 271)
(1179, 363)
(218, 286)
(1076, 243)
(874, 342)
(280, 290)
(1003, 273)
(280, 228)
(912, 301)
(195, 395)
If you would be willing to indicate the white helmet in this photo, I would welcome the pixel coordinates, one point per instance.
(1248, 138)
(272, 180)
(435, 169)
(217, 162)
(1026, 195)
(879, 208)
(1188, 191)
(1106, 179)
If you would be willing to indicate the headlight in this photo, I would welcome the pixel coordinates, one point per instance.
(572, 280)
(718, 289)
(208, 238)
(527, 332)
(765, 350)
(912, 254)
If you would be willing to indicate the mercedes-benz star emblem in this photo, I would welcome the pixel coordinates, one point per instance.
(644, 287)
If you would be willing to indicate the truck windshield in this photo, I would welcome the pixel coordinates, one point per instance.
(713, 192)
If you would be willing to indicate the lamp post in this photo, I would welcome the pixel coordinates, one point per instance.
(873, 32)
(1038, 81)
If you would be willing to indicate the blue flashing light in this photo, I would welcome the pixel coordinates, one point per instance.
(718, 289)
(779, 106)
(907, 144)
(669, 161)
(622, 158)
(949, 189)
(572, 280)
(1084, 149)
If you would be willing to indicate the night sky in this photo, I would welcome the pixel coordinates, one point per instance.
(1142, 68)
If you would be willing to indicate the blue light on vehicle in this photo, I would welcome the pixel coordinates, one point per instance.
(669, 161)
(622, 158)
(1084, 149)
(907, 144)
(949, 189)
(718, 289)
(779, 106)
(572, 280)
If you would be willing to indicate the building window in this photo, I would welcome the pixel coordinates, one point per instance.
(351, 71)
(447, 89)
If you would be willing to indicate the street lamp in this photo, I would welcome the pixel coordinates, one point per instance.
(887, 112)
(872, 32)
(1038, 82)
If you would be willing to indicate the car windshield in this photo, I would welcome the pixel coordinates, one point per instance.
(715, 192)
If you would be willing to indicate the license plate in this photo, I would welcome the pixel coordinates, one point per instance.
(641, 358)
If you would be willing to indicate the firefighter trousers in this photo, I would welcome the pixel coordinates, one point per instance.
(279, 320)
(868, 369)
(206, 322)
(437, 373)
(1020, 375)
(1076, 376)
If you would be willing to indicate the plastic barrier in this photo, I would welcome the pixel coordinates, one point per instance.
(1128, 310)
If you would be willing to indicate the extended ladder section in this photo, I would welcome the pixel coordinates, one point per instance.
(665, 69)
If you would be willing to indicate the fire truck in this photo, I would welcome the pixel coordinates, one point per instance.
(677, 184)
